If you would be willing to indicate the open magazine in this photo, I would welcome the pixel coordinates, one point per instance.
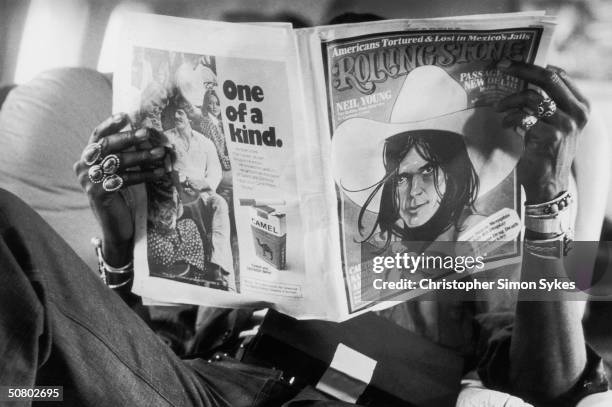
(301, 161)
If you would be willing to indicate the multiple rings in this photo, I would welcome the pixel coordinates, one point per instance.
(102, 169)
(546, 108)
(527, 122)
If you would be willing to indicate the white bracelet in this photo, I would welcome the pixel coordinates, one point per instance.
(113, 286)
(128, 268)
(558, 223)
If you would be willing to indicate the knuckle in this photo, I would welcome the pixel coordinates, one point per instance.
(533, 96)
(561, 72)
(104, 146)
(127, 139)
(587, 106)
(128, 178)
(130, 136)
(582, 116)
(567, 125)
(573, 126)
(551, 77)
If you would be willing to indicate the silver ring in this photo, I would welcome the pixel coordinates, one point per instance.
(112, 183)
(95, 174)
(92, 153)
(547, 108)
(527, 122)
(110, 164)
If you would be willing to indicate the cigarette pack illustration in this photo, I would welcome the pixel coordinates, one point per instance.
(269, 229)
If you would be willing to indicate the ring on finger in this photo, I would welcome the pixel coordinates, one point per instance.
(92, 153)
(546, 108)
(112, 183)
(95, 174)
(110, 164)
(527, 122)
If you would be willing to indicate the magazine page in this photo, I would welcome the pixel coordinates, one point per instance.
(424, 182)
(223, 227)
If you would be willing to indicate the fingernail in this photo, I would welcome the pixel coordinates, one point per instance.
(504, 64)
(157, 152)
(141, 134)
(117, 118)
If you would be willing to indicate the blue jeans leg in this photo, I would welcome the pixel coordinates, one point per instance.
(60, 325)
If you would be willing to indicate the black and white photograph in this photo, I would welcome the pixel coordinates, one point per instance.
(306, 203)
(189, 223)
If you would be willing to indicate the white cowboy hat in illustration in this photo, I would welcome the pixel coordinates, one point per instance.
(430, 99)
(192, 82)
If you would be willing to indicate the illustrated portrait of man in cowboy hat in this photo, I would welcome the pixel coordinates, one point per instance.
(440, 165)
(429, 182)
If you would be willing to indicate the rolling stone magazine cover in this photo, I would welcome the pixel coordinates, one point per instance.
(301, 158)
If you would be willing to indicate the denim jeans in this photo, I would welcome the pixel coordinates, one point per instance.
(60, 325)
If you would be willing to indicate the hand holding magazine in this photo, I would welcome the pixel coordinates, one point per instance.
(303, 162)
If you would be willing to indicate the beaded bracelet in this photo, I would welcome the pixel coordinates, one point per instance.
(551, 207)
(105, 269)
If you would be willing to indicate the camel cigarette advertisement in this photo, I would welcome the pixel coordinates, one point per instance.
(223, 226)
(420, 158)
(270, 235)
